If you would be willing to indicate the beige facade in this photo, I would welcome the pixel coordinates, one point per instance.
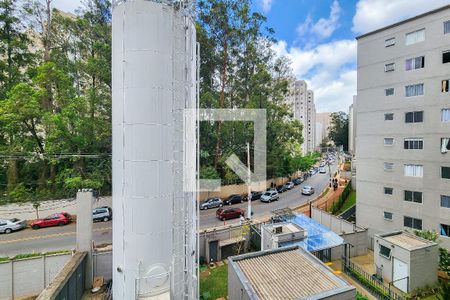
(403, 181)
(352, 127)
(302, 101)
(324, 120)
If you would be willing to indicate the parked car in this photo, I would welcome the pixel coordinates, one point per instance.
(270, 196)
(211, 203)
(233, 199)
(254, 196)
(289, 185)
(281, 189)
(307, 190)
(10, 225)
(272, 189)
(229, 213)
(103, 213)
(322, 170)
(58, 219)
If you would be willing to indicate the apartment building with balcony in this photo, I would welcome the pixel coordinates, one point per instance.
(302, 101)
(403, 126)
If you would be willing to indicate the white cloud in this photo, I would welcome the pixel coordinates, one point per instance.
(374, 14)
(328, 69)
(266, 5)
(324, 27)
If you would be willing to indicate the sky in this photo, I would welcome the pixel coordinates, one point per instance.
(319, 38)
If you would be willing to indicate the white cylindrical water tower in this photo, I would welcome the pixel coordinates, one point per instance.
(154, 81)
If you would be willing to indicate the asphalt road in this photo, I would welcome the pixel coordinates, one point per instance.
(49, 239)
(63, 238)
(290, 199)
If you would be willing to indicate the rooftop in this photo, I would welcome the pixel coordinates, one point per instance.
(404, 21)
(319, 236)
(406, 240)
(286, 273)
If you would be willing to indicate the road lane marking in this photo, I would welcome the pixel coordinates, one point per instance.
(48, 236)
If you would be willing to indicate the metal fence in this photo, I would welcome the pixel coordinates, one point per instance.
(379, 289)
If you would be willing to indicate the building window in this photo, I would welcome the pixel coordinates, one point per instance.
(445, 145)
(446, 57)
(388, 190)
(445, 172)
(413, 170)
(444, 86)
(388, 215)
(414, 90)
(388, 166)
(388, 141)
(414, 117)
(389, 67)
(389, 117)
(412, 223)
(445, 230)
(413, 143)
(415, 37)
(389, 91)
(445, 115)
(446, 27)
(389, 42)
(415, 63)
(412, 196)
(445, 201)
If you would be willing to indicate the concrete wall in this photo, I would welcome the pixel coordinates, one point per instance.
(236, 289)
(222, 234)
(28, 277)
(355, 236)
(372, 128)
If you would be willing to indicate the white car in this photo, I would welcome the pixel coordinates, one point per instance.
(270, 196)
(289, 185)
(322, 170)
(8, 226)
(307, 190)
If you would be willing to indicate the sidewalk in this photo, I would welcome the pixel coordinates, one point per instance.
(26, 211)
(326, 201)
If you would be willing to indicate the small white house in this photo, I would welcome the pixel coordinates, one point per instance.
(405, 260)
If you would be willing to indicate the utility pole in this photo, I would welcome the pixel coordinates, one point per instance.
(249, 181)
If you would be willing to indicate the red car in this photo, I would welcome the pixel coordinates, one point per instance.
(58, 219)
(229, 213)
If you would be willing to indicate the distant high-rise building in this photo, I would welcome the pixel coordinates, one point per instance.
(304, 108)
(324, 120)
(403, 126)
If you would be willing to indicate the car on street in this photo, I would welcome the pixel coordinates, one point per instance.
(253, 196)
(307, 190)
(103, 213)
(297, 181)
(272, 189)
(281, 189)
(233, 199)
(289, 185)
(10, 225)
(270, 196)
(322, 170)
(211, 203)
(58, 219)
(229, 213)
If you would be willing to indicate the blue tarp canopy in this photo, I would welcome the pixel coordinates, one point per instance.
(318, 238)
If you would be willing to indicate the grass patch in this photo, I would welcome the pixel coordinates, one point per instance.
(349, 202)
(325, 192)
(215, 285)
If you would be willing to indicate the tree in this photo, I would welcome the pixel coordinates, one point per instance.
(339, 129)
(444, 293)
